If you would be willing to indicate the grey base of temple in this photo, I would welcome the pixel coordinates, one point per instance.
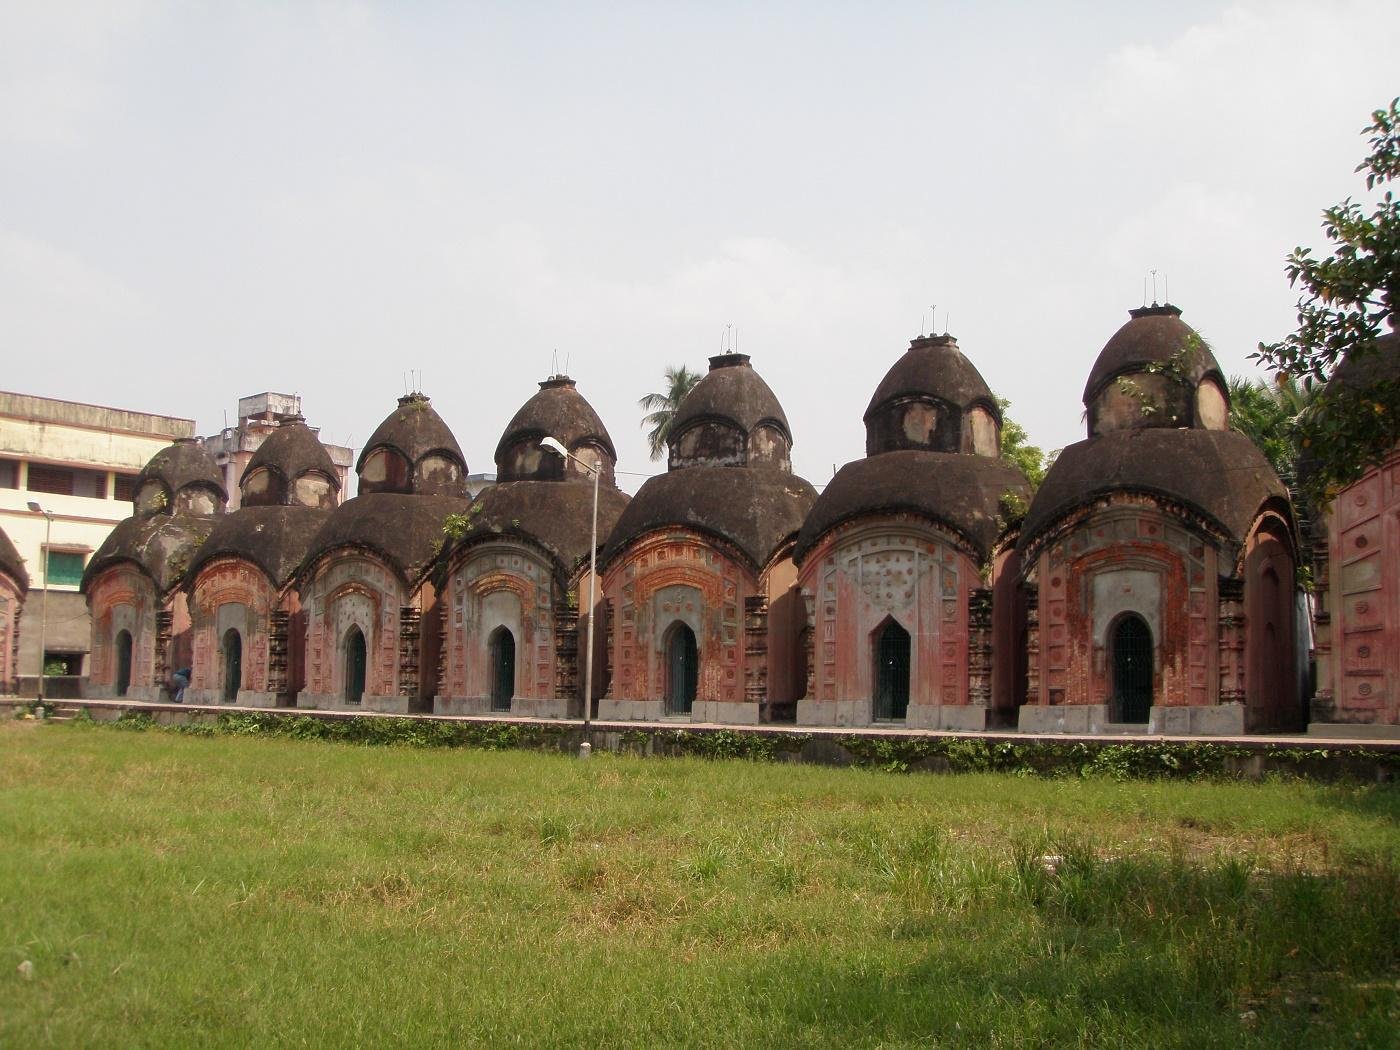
(1354, 731)
(520, 707)
(1207, 720)
(713, 711)
(953, 717)
(385, 705)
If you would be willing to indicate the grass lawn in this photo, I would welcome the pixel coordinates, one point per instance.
(178, 890)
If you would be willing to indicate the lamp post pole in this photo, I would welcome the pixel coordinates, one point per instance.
(44, 607)
(586, 747)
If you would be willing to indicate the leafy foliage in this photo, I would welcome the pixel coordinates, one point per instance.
(1346, 298)
(661, 407)
(1268, 414)
(1017, 450)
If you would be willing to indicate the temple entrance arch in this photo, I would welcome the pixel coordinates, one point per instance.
(890, 645)
(123, 662)
(233, 664)
(502, 650)
(354, 666)
(1131, 649)
(682, 669)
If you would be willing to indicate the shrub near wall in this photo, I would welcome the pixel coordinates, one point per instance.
(1043, 758)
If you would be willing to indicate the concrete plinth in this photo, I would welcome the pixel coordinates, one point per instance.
(834, 712)
(958, 718)
(1206, 720)
(1354, 731)
(1062, 718)
(384, 705)
(739, 714)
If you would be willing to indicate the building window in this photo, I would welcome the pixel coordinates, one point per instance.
(65, 568)
(125, 488)
(9, 474)
(65, 481)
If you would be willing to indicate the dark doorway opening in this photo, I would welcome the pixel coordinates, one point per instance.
(682, 669)
(123, 662)
(502, 647)
(891, 673)
(233, 664)
(354, 666)
(1132, 670)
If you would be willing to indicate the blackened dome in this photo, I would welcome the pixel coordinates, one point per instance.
(1220, 474)
(934, 366)
(289, 452)
(557, 516)
(161, 545)
(185, 464)
(963, 493)
(755, 509)
(559, 411)
(12, 564)
(1155, 336)
(274, 538)
(731, 391)
(432, 461)
(404, 530)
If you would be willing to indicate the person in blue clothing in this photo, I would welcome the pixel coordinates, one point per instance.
(179, 682)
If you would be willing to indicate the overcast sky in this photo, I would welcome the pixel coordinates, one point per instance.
(202, 201)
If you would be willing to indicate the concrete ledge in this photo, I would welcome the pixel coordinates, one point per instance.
(834, 712)
(382, 705)
(1353, 731)
(611, 709)
(725, 712)
(1062, 718)
(1207, 720)
(960, 718)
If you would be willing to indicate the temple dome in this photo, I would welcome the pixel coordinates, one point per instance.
(161, 545)
(934, 399)
(405, 531)
(297, 470)
(559, 411)
(12, 564)
(274, 538)
(181, 478)
(413, 452)
(962, 493)
(557, 516)
(754, 509)
(1171, 377)
(1219, 474)
(730, 418)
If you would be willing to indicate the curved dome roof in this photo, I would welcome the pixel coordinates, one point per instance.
(1219, 473)
(404, 530)
(559, 411)
(961, 492)
(933, 366)
(12, 564)
(1154, 335)
(754, 508)
(291, 450)
(730, 391)
(413, 429)
(1358, 371)
(558, 515)
(275, 539)
(161, 544)
(185, 462)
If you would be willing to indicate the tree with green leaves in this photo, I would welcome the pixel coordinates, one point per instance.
(1017, 450)
(661, 408)
(1346, 298)
(1269, 414)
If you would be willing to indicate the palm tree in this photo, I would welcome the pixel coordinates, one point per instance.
(661, 408)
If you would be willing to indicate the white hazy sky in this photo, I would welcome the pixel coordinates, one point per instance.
(200, 201)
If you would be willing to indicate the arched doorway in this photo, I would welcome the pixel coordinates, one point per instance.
(123, 662)
(233, 664)
(682, 669)
(891, 700)
(1132, 669)
(502, 650)
(354, 666)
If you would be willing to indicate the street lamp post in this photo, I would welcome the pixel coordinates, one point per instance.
(44, 608)
(586, 748)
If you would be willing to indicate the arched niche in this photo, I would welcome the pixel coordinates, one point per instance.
(1212, 408)
(315, 490)
(438, 475)
(984, 436)
(262, 488)
(385, 470)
